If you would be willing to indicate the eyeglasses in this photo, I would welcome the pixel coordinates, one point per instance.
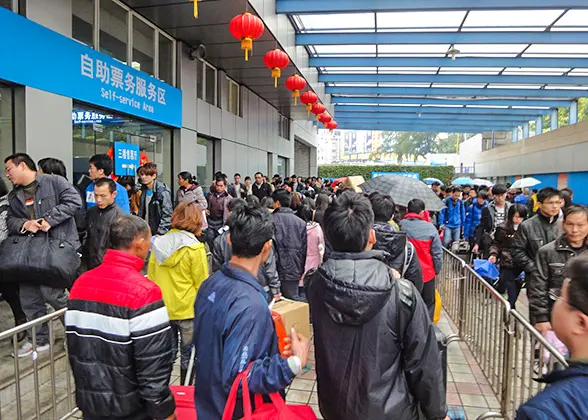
(553, 203)
(555, 295)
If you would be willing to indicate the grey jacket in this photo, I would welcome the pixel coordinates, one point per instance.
(160, 208)
(194, 194)
(56, 201)
(268, 272)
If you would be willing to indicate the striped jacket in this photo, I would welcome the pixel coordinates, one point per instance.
(119, 342)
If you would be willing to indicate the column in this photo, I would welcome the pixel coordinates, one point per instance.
(515, 134)
(538, 126)
(554, 121)
(574, 113)
(526, 131)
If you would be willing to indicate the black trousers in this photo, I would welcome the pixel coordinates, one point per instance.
(508, 283)
(428, 295)
(11, 296)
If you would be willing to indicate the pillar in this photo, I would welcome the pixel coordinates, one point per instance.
(574, 113)
(539, 126)
(515, 134)
(554, 121)
(526, 130)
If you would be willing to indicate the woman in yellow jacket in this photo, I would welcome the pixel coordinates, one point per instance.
(178, 265)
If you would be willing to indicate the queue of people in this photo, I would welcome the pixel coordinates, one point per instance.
(367, 274)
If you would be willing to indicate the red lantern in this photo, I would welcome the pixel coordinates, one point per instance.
(325, 118)
(317, 109)
(332, 125)
(246, 28)
(295, 84)
(276, 60)
(309, 98)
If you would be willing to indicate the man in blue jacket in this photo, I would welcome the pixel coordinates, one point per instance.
(452, 217)
(233, 326)
(474, 215)
(565, 396)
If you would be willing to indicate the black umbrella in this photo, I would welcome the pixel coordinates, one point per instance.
(403, 189)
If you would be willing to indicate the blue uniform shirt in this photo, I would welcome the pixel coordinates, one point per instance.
(122, 197)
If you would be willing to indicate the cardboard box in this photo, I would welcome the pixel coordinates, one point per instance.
(294, 314)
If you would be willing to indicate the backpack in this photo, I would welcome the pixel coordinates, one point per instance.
(405, 308)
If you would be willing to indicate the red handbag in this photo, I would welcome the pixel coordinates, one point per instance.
(185, 405)
(276, 410)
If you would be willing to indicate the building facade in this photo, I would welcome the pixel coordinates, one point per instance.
(149, 83)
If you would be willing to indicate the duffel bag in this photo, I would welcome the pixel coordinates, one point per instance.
(38, 259)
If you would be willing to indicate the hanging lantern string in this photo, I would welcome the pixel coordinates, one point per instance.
(195, 8)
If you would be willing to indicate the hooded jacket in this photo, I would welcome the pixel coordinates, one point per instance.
(178, 265)
(291, 243)
(401, 254)
(119, 342)
(160, 208)
(473, 218)
(425, 239)
(192, 194)
(453, 215)
(372, 362)
(564, 397)
(268, 272)
(550, 262)
(98, 233)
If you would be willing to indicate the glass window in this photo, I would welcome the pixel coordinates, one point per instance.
(143, 46)
(6, 124)
(7, 4)
(204, 162)
(113, 30)
(95, 131)
(232, 97)
(282, 166)
(82, 12)
(284, 127)
(211, 83)
(166, 59)
(200, 79)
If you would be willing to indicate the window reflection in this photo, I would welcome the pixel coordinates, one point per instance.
(113, 30)
(204, 162)
(143, 46)
(83, 21)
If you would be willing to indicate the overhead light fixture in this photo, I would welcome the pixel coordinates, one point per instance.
(420, 115)
(452, 51)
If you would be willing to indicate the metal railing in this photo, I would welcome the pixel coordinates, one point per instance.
(42, 385)
(508, 349)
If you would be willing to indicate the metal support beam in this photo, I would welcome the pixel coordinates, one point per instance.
(539, 126)
(402, 91)
(554, 120)
(417, 128)
(526, 130)
(428, 117)
(447, 62)
(574, 113)
(414, 38)
(529, 114)
(481, 125)
(515, 134)
(346, 6)
(453, 78)
(371, 100)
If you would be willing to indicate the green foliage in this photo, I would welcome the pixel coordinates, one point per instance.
(444, 173)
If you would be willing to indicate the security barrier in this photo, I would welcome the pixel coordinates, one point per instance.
(508, 349)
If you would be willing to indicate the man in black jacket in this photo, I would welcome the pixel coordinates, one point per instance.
(46, 203)
(535, 232)
(551, 261)
(401, 253)
(493, 215)
(260, 188)
(99, 220)
(156, 205)
(376, 352)
(290, 244)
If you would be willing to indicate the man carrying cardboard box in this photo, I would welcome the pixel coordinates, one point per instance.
(376, 352)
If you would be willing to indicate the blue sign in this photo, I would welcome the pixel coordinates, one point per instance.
(41, 58)
(126, 158)
(414, 175)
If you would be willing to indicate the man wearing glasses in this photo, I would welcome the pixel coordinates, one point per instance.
(532, 234)
(565, 396)
(551, 261)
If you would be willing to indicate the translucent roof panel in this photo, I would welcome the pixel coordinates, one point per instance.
(338, 21)
(420, 19)
(414, 105)
(470, 70)
(573, 18)
(492, 50)
(407, 70)
(497, 86)
(501, 19)
(566, 87)
(418, 48)
(359, 70)
(353, 84)
(459, 86)
(487, 106)
(345, 49)
(530, 107)
(406, 85)
(535, 71)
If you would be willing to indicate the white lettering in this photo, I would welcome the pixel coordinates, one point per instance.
(161, 96)
(130, 83)
(116, 76)
(152, 95)
(87, 66)
(102, 71)
(140, 87)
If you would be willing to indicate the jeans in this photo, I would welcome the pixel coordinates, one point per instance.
(428, 295)
(34, 298)
(508, 283)
(451, 235)
(291, 291)
(185, 329)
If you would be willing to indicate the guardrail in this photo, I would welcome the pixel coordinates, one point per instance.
(509, 350)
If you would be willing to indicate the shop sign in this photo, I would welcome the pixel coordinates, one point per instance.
(41, 58)
(414, 175)
(126, 158)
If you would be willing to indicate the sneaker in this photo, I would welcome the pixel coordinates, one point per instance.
(27, 349)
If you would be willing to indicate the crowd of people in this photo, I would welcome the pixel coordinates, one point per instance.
(367, 269)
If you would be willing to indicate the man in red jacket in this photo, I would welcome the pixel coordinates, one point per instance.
(425, 238)
(118, 333)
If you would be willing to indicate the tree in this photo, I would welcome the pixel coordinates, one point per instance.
(449, 144)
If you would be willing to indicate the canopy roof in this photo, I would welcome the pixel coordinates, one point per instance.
(445, 65)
